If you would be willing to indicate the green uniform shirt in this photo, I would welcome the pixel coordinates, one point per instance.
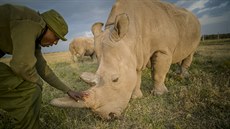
(19, 29)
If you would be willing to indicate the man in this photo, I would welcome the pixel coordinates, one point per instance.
(22, 33)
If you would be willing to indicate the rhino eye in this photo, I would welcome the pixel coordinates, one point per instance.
(115, 77)
(115, 80)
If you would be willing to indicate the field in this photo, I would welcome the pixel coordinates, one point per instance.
(199, 102)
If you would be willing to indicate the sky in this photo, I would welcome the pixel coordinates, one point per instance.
(214, 15)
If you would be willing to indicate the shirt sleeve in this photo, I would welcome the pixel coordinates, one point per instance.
(23, 35)
(47, 74)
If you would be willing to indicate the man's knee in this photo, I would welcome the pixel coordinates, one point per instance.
(8, 80)
(33, 89)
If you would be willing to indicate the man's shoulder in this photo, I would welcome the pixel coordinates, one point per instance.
(19, 12)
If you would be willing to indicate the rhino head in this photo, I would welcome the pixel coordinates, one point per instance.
(115, 78)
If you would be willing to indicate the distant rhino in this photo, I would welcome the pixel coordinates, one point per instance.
(136, 32)
(80, 47)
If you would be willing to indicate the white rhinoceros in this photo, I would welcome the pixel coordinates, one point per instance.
(136, 32)
(80, 47)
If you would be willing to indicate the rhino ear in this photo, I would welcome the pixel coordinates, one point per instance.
(97, 28)
(121, 26)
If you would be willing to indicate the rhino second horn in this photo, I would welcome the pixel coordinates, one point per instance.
(90, 78)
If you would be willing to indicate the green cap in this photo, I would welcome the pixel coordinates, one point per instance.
(56, 23)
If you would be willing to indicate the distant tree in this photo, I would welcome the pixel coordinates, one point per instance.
(215, 36)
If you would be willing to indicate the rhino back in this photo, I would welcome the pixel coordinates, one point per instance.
(157, 26)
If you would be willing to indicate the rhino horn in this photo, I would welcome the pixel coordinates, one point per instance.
(90, 78)
(67, 102)
(97, 28)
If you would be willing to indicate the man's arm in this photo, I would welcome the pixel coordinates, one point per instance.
(47, 74)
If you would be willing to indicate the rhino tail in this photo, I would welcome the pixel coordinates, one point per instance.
(67, 102)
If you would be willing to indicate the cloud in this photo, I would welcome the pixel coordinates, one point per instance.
(207, 19)
(88, 34)
(198, 5)
(213, 8)
(181, 3)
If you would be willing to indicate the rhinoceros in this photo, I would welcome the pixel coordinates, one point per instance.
(136, 32)
(80, 47)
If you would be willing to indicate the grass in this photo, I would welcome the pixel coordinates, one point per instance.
(199, 102)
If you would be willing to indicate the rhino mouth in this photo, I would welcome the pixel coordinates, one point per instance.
(108, 115)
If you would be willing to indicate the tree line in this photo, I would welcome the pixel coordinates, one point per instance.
(215, 36)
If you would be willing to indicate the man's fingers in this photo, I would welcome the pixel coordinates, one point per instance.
(84, 94)
(75, 98)
(80, 96)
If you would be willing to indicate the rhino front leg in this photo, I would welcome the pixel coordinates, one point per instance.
(137, 91)
(183, 73)
(160, 63)
(74, 58)
(94, 57)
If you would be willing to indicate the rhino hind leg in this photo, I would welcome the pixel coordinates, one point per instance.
(160, 64)
(184, 65)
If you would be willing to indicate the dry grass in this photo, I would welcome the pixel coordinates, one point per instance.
(200, 102)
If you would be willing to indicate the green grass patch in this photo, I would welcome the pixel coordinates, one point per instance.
(201, 101)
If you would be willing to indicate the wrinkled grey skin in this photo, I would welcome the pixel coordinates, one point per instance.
(136, 32)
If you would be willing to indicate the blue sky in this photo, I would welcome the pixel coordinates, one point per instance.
(214, 15)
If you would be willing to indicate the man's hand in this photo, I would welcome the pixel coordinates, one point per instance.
(77, 95)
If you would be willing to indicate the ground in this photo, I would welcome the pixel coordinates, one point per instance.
(201, 101)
